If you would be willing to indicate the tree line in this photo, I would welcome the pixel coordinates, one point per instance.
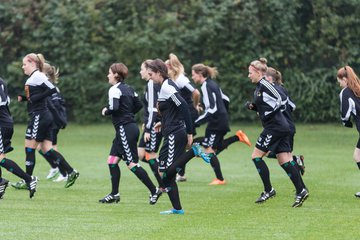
(306, 40)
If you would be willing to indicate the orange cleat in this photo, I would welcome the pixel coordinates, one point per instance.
(218, 182)
(243, 138)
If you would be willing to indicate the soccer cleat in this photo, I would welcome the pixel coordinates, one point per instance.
(357, 194)
(3, 186)
(110, 198)
(218, 182)
(200, 153)
(61, 178)
(53, 173)
(266, 195)
(300, 163)
(243, 138)
(20, 185)
(173, 211)
(300, 198)
(71, 178)
(32, 186)
(154, 197)
(180, 178)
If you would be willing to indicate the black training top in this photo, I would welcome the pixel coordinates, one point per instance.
(5, 116)
(124, 103)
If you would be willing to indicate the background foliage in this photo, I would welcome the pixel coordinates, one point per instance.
(306, 40)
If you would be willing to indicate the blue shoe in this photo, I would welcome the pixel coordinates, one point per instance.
(173, 211)
(200, 153)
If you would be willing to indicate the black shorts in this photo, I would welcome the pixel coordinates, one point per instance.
(54, 135)
(274, 142)
(125, 143)
(5, 139)
(173, 147)
(154, 144)
(213, 139)
(40, 127)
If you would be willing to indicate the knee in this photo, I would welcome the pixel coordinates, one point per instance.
(112, 160)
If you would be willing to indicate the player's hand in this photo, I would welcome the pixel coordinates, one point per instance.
(157, 127)
(189, 140)
(103, 111)
(146, 137)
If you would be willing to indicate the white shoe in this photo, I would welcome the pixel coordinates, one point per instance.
(180, 178)
(53, 173)
(60, 178)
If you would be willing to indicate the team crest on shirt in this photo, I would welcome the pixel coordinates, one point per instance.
(259, 94)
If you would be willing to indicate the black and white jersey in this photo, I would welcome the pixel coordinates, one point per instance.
(268, 104)
(124, 103)
(5, 116)
(186, 88)
(215, 111)
(149, 102)
(56, 105)
(173, 109)
(37, 89)
(349, 106)
(287, 106)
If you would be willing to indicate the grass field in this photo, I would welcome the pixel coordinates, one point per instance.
(211, 212)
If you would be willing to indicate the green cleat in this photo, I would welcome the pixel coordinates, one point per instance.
(72, 178)
(20, 185)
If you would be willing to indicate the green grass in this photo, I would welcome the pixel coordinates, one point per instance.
(211, 212)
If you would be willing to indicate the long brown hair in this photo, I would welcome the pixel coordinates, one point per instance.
(205, 71)
(353, 81)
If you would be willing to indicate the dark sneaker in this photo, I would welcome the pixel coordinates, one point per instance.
(20, 185)
(3, 186)
(154, 197)
(265, 196)
(300, 198)
(300, 162)
(71, 178)
(200, 153)
(32, 186)
(110, 198)
(357, 194)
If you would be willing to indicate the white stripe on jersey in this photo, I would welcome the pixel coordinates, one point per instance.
(114, 92)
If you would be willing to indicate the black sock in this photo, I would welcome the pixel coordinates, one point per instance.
(177, 165)
(226, 143)
(358, 164)
(60, 160)
(144, 177)
(264, 173)
(297, 167)
(115, 178)
(12, 167)
(294, 175)
(51, 162)
(215, 164)
(174, 195)
(155, 169)
(198, 140)
(30, 160)
(272, 155)
(182, 171)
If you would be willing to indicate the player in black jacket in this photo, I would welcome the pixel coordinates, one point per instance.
(215, 115)
(6, 132)
(350, 104)
(187, 91)
(288, 106)
(275, 136)
(150, 140)
(176, 127)
(39, 130)
(56, 105)
(123, 105)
